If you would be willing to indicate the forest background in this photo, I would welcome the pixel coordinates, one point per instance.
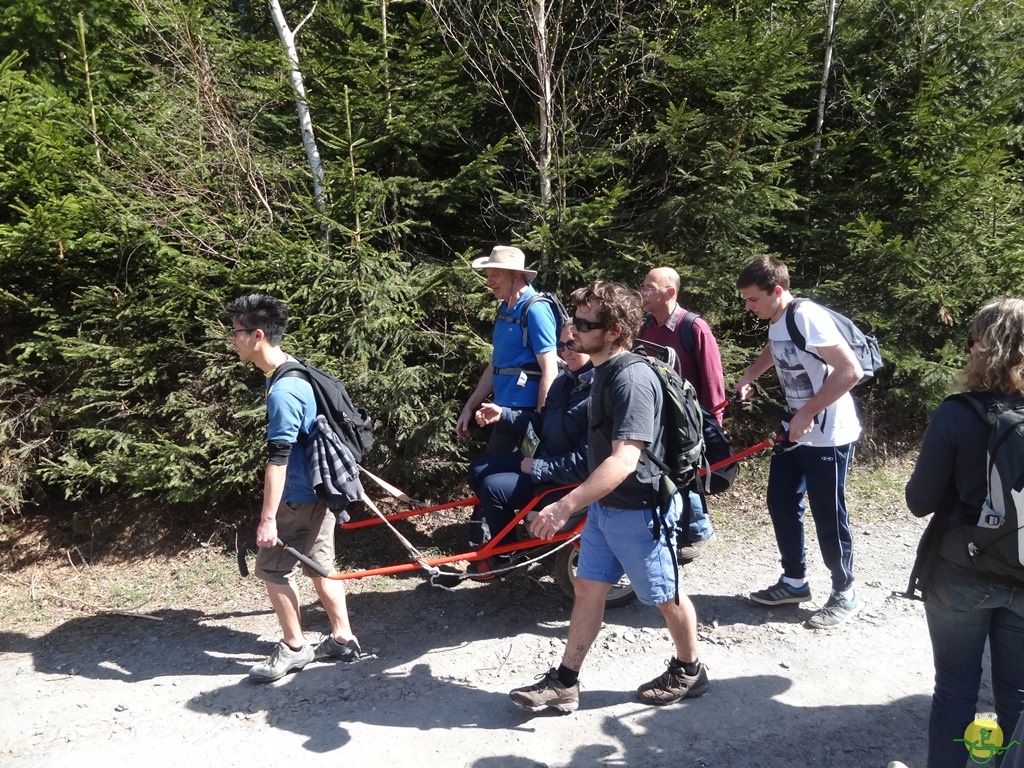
(160, 157)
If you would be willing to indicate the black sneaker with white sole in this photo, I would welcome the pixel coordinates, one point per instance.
(331, 650)
(781, 594)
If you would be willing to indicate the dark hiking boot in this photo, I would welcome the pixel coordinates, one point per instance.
(331, 650)
(674, 684)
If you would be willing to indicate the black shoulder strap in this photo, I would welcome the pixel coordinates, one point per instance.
(529, 303)
(624, 360)
(686, 337)
(621, 362)
(296, 367)
(524, 316)
(686, 333)
(983, 404)
(616, 364)
(794, 332)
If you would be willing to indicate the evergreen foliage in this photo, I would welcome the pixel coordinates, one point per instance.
(152, 170)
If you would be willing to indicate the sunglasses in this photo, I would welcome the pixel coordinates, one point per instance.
(586, 325)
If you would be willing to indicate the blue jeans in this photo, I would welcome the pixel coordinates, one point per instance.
(503, 489)
(700, 525)
(961, 617)
(820, 474)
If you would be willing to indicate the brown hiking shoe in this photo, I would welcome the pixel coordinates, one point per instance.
(691, 550)
(674, 684)
(547, 693)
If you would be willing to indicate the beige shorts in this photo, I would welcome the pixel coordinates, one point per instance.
(309, 528)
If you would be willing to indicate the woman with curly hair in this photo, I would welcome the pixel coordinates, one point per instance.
(964, 605)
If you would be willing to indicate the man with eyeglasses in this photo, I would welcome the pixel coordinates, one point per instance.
(291, 510)
(626, 402)
(698, 361)
(521, 370)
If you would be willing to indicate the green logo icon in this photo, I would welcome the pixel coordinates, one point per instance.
(984, 740)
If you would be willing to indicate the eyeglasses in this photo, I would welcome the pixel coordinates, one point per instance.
(235, 331)
(586, 325)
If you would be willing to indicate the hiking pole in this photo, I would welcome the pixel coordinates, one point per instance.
(303, 559)
(416, 554)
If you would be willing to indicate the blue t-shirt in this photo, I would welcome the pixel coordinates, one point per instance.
(512, 390)
(291, 408)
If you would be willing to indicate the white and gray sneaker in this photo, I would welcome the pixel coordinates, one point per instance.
(281, 661)
(838, 610)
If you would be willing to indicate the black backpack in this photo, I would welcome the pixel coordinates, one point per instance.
(865, 346)
(717, 446)
(996, 543)
(683, 428)
(561, 315)
(352, 425)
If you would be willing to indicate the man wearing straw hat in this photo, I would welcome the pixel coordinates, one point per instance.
(522, 365)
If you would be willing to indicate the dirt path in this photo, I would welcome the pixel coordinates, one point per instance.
(119, 690)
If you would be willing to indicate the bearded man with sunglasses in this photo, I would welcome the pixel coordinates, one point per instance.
(618, 535)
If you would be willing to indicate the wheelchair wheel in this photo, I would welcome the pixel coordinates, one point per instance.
(565, 574)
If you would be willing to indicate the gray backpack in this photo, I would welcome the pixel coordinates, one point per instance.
(864, 345)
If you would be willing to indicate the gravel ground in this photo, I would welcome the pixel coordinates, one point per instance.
(169, 688)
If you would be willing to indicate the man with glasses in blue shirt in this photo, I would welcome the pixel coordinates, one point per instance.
(291, 511)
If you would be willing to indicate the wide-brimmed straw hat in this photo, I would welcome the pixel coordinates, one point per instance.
(505, 257)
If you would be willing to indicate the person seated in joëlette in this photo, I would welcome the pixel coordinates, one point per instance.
(504, 483)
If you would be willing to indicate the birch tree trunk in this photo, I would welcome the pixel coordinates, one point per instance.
(546, 101)
(287, 36)
(519, 41)
(826, 73)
